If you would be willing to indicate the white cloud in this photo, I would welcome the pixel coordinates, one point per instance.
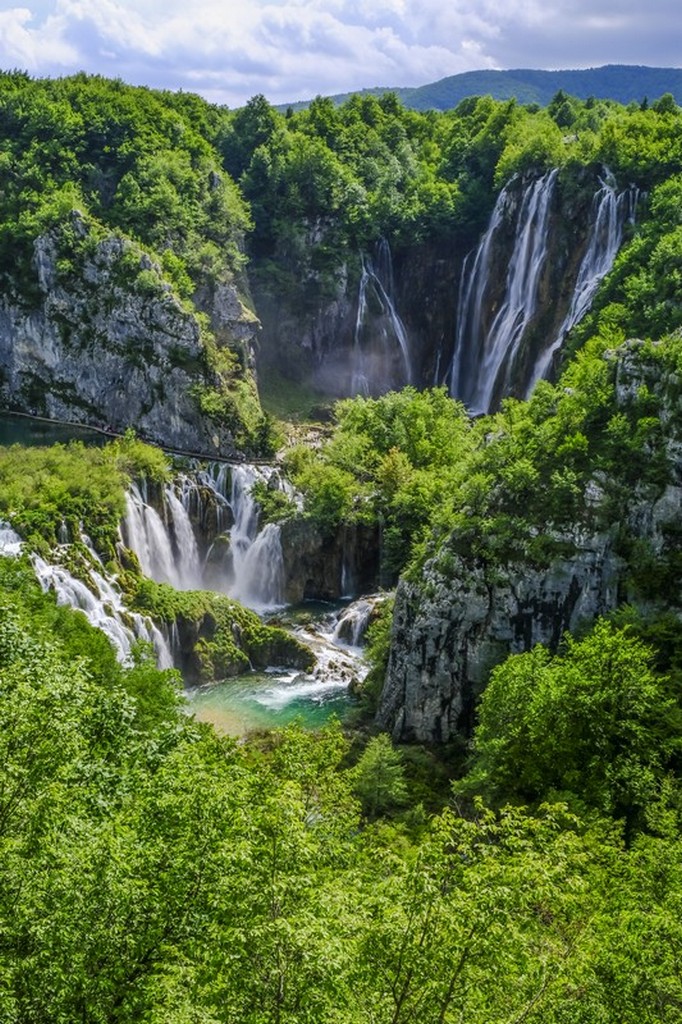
(30, 45)
(290, 49)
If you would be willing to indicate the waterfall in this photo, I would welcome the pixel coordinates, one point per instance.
(100, 601)
(610, 213)
(10, 541)
(383, 359)
(104, 608)
(352, 623)
(359, 382)
(251, 570)
(486, 347)
(167, 551)
(482, 357)
(256, 566)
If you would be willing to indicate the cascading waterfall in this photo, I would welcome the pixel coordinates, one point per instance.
(256, 566)
(472, 289)
(252, 568)
(167, 551)
(352, 623)
(610, 214)
(10, 541)
(383, 359)
(485, 353)
(482, 357)
(100, 601)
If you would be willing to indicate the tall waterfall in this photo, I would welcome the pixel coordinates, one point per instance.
(243, 562)
(167, 550)
(255, 571)
(488, 339)
(610, 213)
(483, 354)
(381, 357)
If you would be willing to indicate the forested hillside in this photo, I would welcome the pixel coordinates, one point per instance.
(481, 309)
(624, 83)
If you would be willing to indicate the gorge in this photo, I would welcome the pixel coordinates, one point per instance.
(341, 615)
(475, 251)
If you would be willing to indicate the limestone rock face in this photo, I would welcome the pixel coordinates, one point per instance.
(108, 344)
(464, 616)
(318, 567)
(450, 631)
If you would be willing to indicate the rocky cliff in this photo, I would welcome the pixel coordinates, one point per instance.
(493, 320)
(466, 613)
(99, 337)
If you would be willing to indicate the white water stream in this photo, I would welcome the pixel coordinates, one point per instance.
(610, 213)
(99, 599)
(246, 563)
(491, 351)
(251, 567)
(381, 357)
(485, 351)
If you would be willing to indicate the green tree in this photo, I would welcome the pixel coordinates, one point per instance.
(379, 777)
(595, 721)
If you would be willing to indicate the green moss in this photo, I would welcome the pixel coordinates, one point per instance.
(227, 638)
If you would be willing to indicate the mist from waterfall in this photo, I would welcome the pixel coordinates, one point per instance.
(381, 357)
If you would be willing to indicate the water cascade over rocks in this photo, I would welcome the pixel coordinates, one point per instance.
(611, 211)
(242, 560)
(99, 599)
(490, 358)
(484, 352)
(166, 548)
(352, 623)
(381, 357)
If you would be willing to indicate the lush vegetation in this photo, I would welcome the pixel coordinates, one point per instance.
(152, 871)
(46, 493)
(127, 180)
(326, 182)
(509, 486)
(596, 722)
(220, 638)
(194, 187)
(135, 160)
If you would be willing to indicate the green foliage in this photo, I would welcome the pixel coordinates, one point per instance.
(152, 871)
(73, 484)
(534, 143)
(511, 486)
(379, 777)
(390, 461)
(275, 506)
(134, 159)
(595, 721)
(227, 638)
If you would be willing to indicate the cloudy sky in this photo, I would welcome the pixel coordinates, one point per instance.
(228, 50)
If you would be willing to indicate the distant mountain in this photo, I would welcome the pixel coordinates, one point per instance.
(621, 82)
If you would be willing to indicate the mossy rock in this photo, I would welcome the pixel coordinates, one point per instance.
(218, 637)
